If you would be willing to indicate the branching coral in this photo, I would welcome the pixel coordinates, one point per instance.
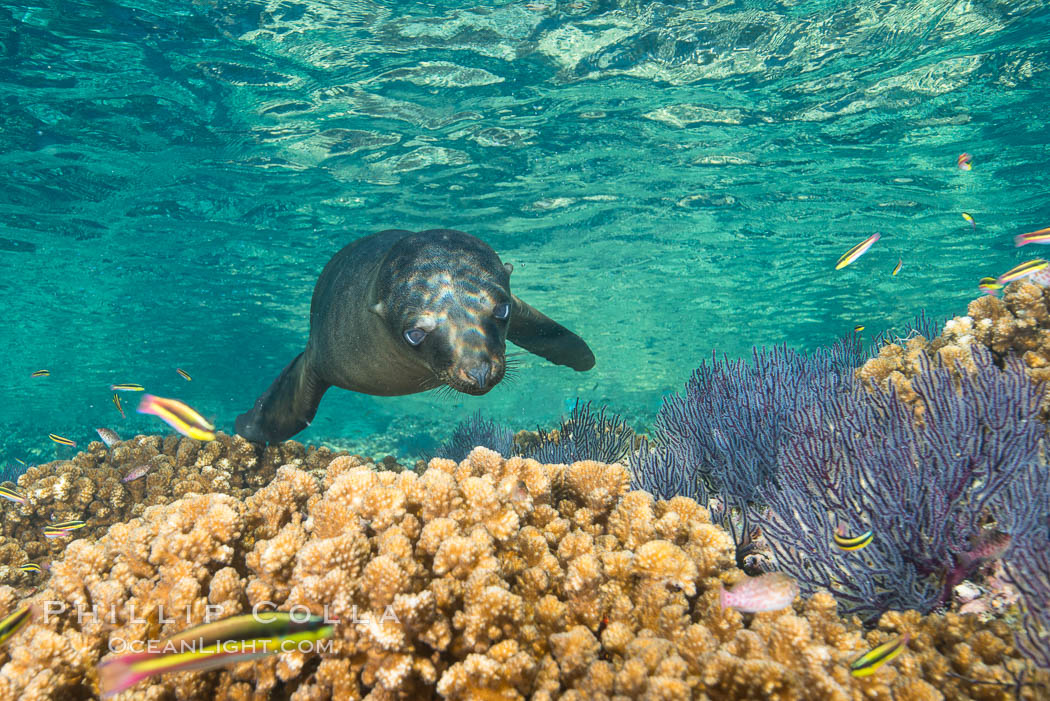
(1017, 324)
(470, 580)
(90, 487)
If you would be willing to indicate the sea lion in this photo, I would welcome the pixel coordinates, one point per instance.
(400, 312)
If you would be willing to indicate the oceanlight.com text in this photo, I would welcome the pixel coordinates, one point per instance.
(228, 647)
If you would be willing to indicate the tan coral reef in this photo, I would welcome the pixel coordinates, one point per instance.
(468, 581)
(89, 488)
(1017, 323)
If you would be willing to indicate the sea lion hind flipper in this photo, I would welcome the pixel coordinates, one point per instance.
(539, 334)
(287, 407)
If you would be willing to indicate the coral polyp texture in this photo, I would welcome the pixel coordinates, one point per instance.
(469, 580)
(90, 487)
(1016, 324)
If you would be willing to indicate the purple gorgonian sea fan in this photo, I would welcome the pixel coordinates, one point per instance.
(584, 435)
(925, 480)
(1029, 569)
(718, 441)
(474, 431)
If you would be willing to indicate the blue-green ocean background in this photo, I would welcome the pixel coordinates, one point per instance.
(667, 178)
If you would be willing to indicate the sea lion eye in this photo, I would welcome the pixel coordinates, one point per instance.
(415, 336)
(502, 311)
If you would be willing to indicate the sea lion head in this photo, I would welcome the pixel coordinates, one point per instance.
(445, 296)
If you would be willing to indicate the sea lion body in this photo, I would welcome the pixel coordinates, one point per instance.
(400, 312)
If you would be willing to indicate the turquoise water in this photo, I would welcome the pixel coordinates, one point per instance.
(668, 179)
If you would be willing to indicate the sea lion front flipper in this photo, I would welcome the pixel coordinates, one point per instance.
(539, 334)
(287, 407)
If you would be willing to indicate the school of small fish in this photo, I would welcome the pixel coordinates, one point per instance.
(1036, 270)
(59, 530)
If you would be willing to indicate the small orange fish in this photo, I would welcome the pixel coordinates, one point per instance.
(965, 161)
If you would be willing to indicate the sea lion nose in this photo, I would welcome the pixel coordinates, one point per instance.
(480, 373)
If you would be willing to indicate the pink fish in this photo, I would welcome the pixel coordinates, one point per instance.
(138, 472)
(988, 545)
(767, 592)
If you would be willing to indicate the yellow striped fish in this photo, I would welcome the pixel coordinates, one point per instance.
(41, 373)
(179, 416)
(852, 542)
(989, 286)
(29, 567)
(1041, 236)
(184, 374)
(61, 440)
(116, 401)
(12, 494)
(1029, 267)
(969, 217)
(68, 525)
(857, 251)
(897, 268)
(59, 530)
(212, 645)
(866, 664)
(127, 387)
(858, 328)
(13, 623)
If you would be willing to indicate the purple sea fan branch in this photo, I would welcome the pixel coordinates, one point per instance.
(922, 488)
(1028, 567)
